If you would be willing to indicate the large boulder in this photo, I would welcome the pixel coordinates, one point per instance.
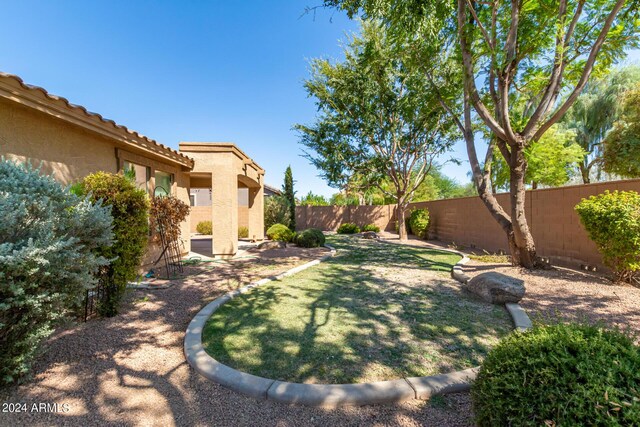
(369, 235)
(496, 288)
(272, 244)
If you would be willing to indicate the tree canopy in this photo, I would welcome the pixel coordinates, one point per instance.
(594, 113)
(550, 161)
(311, 199)
(622, 144)
(377, 118)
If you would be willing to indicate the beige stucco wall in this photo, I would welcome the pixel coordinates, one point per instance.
(199, 214)
(70, 152)
(66, 150)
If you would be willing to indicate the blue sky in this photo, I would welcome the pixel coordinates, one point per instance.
(186, 71)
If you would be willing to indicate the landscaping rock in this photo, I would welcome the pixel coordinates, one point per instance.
(369, 235)
(275, 244)
(496, 288)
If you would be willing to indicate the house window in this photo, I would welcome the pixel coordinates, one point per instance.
(163, 183)
(192, 199)
(140, 173)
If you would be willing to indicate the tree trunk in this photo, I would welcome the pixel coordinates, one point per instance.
(523, 252)
(584, 171)
(402, 225)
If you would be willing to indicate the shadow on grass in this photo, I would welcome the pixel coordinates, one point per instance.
(342, 322)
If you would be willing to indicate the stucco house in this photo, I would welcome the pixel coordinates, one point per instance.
(70, 142)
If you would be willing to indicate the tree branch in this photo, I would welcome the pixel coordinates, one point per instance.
(588, 68)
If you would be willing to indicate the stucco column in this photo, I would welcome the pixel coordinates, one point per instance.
(256, 213)
(182, 193)
(224, 212)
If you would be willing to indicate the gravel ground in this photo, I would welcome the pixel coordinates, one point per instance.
(565, 294)
(129, 370)
(562, 293)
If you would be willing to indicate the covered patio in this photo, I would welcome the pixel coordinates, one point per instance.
(224, 169)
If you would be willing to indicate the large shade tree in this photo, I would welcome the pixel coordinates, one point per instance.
(377, 119)
(524, 63)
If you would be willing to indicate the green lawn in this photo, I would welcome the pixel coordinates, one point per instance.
(375, 311)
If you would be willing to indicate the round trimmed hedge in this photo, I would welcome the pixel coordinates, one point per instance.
(280, 232)
(348, 228)
(310, 238)
(560, 374)
(204, 227)
(371, 227)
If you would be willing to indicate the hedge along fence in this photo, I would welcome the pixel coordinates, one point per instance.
(554, 223)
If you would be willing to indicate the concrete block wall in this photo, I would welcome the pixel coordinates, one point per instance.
(466, 221)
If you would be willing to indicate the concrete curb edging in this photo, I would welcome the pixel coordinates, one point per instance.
(519, 316)
(521, 320)
(325, 395)
(457, 271)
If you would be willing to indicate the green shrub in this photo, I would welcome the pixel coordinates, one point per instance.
(130, 211)
(310, 238)
(276, 211)
(612, 221)
(348, 228)
(204, 227)
(243, 232)
(48, 238)
(280, 232)
(562, 374)
(371, 227)
(419, 223)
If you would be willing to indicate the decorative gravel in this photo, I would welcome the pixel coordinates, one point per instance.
(130, 370)
(562, 293)
(565, 294)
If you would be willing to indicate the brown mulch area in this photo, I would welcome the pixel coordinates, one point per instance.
(130, 369)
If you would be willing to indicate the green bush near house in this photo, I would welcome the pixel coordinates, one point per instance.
(276, 211)
(348, 228)
(419, 223)
(281, 233)
(612, 221)
(48, 259)
(310, 238)
(130, 210)
(560, 374)
(204, 227)
(243, 232)
(371, 227)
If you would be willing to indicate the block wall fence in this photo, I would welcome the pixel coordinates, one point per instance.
(466, 221)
